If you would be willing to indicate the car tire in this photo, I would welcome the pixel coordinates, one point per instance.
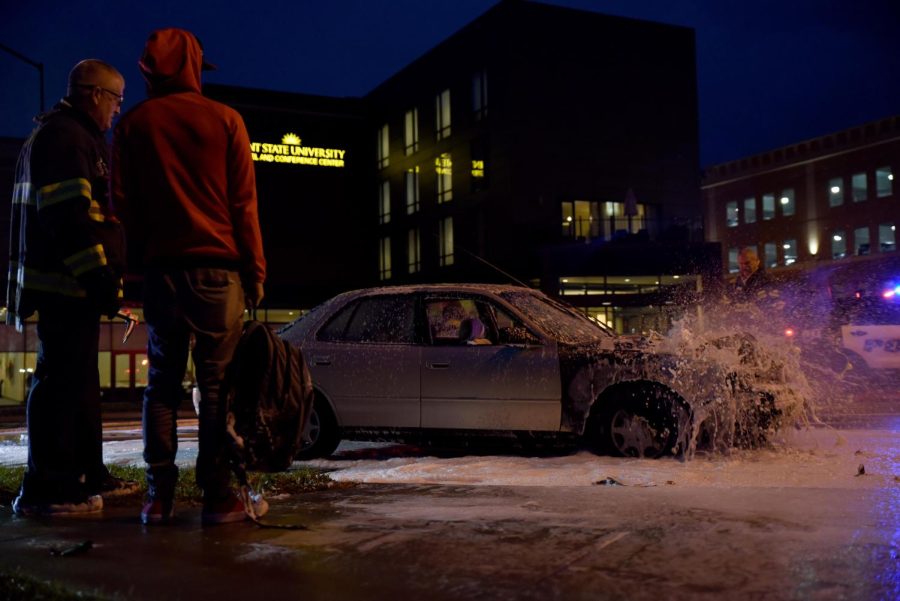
(637, 420)
(322, 432)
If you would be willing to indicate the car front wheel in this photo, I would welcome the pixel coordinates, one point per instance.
(322, 435)
(637, 421)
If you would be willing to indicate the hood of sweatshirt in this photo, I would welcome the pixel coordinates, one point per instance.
(172, 62)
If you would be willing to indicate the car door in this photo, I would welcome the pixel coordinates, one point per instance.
(495, 384)
(366, 362)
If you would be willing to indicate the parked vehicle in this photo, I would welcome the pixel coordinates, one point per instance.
(412, 362)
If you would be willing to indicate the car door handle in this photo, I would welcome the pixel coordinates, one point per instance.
(321, 360)
(437, 365)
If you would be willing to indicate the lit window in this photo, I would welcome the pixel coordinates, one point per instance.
(580, 219)
(750, 210)
(412, 190)
(445, 241)
(768, 207)
(884, 182)
(413, 251)
(384, 202)
(731, 214)
(858, 181)
(770, 252)
(443, 167)
(790, 251)
(887, 241)
(383, 147)
(479, 95)
(835, 192)
(861, 241)
(411, 132)
(838, 244)
(733, 259)
(786, 202)
(442, 114)
(615, 215)
(384, 258)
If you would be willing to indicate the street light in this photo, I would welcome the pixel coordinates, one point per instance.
(36, 65)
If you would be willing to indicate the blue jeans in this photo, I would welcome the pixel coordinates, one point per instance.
(208, 303)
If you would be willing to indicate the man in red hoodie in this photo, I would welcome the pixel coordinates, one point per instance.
(184, 187)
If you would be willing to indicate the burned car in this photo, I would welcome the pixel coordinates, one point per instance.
(408, 362)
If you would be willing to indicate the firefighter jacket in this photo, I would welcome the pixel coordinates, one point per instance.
(65, 243)
(182, 174)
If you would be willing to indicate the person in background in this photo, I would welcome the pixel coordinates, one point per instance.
(752, 279)
(66, 261)
(184, 184)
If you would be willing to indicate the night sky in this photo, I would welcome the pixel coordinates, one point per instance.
(771, 72)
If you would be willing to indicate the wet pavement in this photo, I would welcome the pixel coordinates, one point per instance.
(795, 523)
(497, 542)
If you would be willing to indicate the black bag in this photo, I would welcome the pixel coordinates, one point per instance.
(268, 394)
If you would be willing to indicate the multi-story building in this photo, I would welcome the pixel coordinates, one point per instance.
(818, 204)
(539, 144)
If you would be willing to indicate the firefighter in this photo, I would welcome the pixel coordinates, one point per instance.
(66, 263)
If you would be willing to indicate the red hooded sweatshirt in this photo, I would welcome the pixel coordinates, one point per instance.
(183, 181)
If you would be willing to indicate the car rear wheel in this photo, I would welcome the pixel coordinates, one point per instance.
(637, 420)
(322, 432)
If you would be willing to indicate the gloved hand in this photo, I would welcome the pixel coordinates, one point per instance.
(102, 288)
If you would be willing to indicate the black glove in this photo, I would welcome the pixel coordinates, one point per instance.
(102, 290)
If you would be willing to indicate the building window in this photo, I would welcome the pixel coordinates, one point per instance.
(887, 241)
(384, 258)
(733, 260)
(384, 202)
(442, 115)
(411, 178)
(443, 167)
(731, 214)
(790, 251)
(411, 132)
(580, 219)
(835, 192)
(750, 210)
(858, 182)
(770, 252)
(788, 207)
(838, 244)
(480, 95)
(861, 241)
(445, 242)
(383, 147)
(413, 251)
(768, 207)
(884, 182)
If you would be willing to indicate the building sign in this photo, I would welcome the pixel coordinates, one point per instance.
(291, 151)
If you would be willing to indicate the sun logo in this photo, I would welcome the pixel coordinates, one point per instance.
(292, 139)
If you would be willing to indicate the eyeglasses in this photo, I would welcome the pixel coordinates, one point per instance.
(119, 98)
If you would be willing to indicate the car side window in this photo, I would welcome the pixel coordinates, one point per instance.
(381, 319)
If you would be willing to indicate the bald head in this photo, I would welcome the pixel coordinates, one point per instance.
(97, 88)
(748, 262)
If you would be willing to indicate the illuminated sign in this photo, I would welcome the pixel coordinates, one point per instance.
(443, 165)
(291, 151)
(477, 168)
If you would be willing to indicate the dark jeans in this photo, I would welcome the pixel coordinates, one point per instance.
(209, 304)
(65, 433)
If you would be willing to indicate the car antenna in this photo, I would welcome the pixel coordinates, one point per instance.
(492, 266)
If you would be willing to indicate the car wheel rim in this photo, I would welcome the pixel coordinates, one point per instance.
(313, 429)
(634, 436)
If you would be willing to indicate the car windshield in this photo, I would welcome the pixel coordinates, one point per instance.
(560, 321)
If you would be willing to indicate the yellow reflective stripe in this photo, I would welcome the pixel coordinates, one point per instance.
(61, 191)
(85, 260)
(23, 194)
(95, 213)
(49, 281)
